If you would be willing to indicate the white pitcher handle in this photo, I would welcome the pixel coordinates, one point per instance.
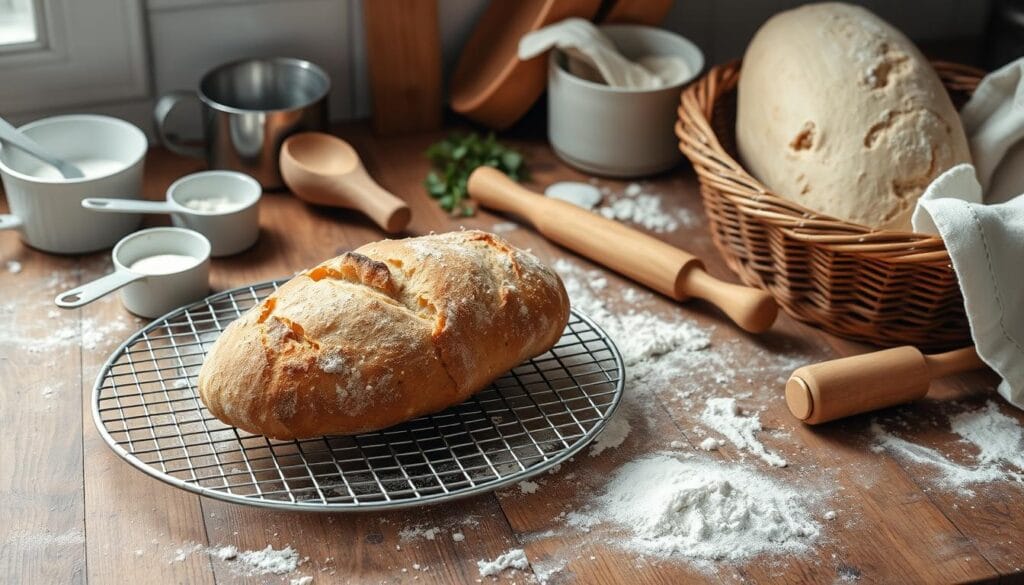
(91, 291)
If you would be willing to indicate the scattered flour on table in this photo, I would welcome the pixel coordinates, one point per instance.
(724, 416)
(637, 205)
(998, 439)
(504, 227)
(710, 444)
(528, 487)
(579, 194)
(268, 561)
(703, 510)
(13, 266)
(613, 434)
(513, 559)
(417, 532)
(92, 333)
(664, 350)
(304, 580)
(640, 335)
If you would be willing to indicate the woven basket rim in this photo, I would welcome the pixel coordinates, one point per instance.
(695, 132)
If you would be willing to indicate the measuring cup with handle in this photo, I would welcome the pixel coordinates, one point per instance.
(150, 293)
(221, 205)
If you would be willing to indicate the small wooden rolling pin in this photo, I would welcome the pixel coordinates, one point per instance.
(862, 383)
(645, 259)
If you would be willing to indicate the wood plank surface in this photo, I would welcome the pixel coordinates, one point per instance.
(74, 512)
(403, 51)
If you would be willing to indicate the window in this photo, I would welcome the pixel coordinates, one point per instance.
(18, 23)
(65, 54)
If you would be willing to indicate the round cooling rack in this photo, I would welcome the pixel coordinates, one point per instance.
(147, 408)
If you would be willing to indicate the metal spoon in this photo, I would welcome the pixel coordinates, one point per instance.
(325, 170)
(10, 135)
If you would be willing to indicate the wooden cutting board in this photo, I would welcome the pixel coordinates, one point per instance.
(403, 51)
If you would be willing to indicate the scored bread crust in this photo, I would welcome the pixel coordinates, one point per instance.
(394, 330)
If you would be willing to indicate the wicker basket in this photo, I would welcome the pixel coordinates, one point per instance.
(883, 287)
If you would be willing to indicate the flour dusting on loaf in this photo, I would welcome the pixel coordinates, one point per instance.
(394, 330)
(839, 111)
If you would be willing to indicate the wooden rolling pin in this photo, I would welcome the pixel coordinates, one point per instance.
(645, 259)
(862, 383)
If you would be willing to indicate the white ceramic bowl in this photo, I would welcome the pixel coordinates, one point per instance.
(150, 295)
(619, 132)
(47, 209)
(230, 231)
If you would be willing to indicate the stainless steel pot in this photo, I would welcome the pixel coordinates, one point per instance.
(249, 107)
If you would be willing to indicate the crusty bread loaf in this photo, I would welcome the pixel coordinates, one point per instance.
(389, 332)
(838, 111)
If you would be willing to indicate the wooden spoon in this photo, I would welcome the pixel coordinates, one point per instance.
(862, 383)
(325, 170)
(634, 254)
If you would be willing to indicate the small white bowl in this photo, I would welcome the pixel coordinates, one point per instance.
(47, 209)
(613, 131)
(230, 231)
(150, 295)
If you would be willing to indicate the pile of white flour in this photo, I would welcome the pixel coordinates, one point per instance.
(702, 509)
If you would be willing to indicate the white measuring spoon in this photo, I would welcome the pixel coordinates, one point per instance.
(10, 135)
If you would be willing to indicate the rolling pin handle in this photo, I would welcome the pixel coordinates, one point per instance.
(953, 362)
(752, 309)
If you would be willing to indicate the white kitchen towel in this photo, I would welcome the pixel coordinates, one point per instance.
(979, 212)
(994, 122)
(592, 55)
(986, 245)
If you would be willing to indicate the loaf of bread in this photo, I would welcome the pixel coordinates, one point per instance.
(394, 330)
(838, 111)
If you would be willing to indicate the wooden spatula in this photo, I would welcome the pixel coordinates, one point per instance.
(643, 258)
(862, 383)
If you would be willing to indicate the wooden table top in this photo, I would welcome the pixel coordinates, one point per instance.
(73, 512)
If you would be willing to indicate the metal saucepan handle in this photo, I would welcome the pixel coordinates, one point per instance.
(10, 222)
(126, 205)
(100, 287)
(163, 108)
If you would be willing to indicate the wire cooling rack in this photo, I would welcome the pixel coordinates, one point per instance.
(147, 408)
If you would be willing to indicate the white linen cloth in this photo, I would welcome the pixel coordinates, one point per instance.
(979, 212)
(594, 57)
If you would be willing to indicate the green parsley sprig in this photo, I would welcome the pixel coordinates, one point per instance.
(458, 155)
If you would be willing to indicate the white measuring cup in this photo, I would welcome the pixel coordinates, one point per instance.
(192, 203)
(150, 294)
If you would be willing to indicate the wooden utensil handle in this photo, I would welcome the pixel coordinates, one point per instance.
(953, 362)
(852, 385)
(638, 256)
(384, 208)
(643, 258)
